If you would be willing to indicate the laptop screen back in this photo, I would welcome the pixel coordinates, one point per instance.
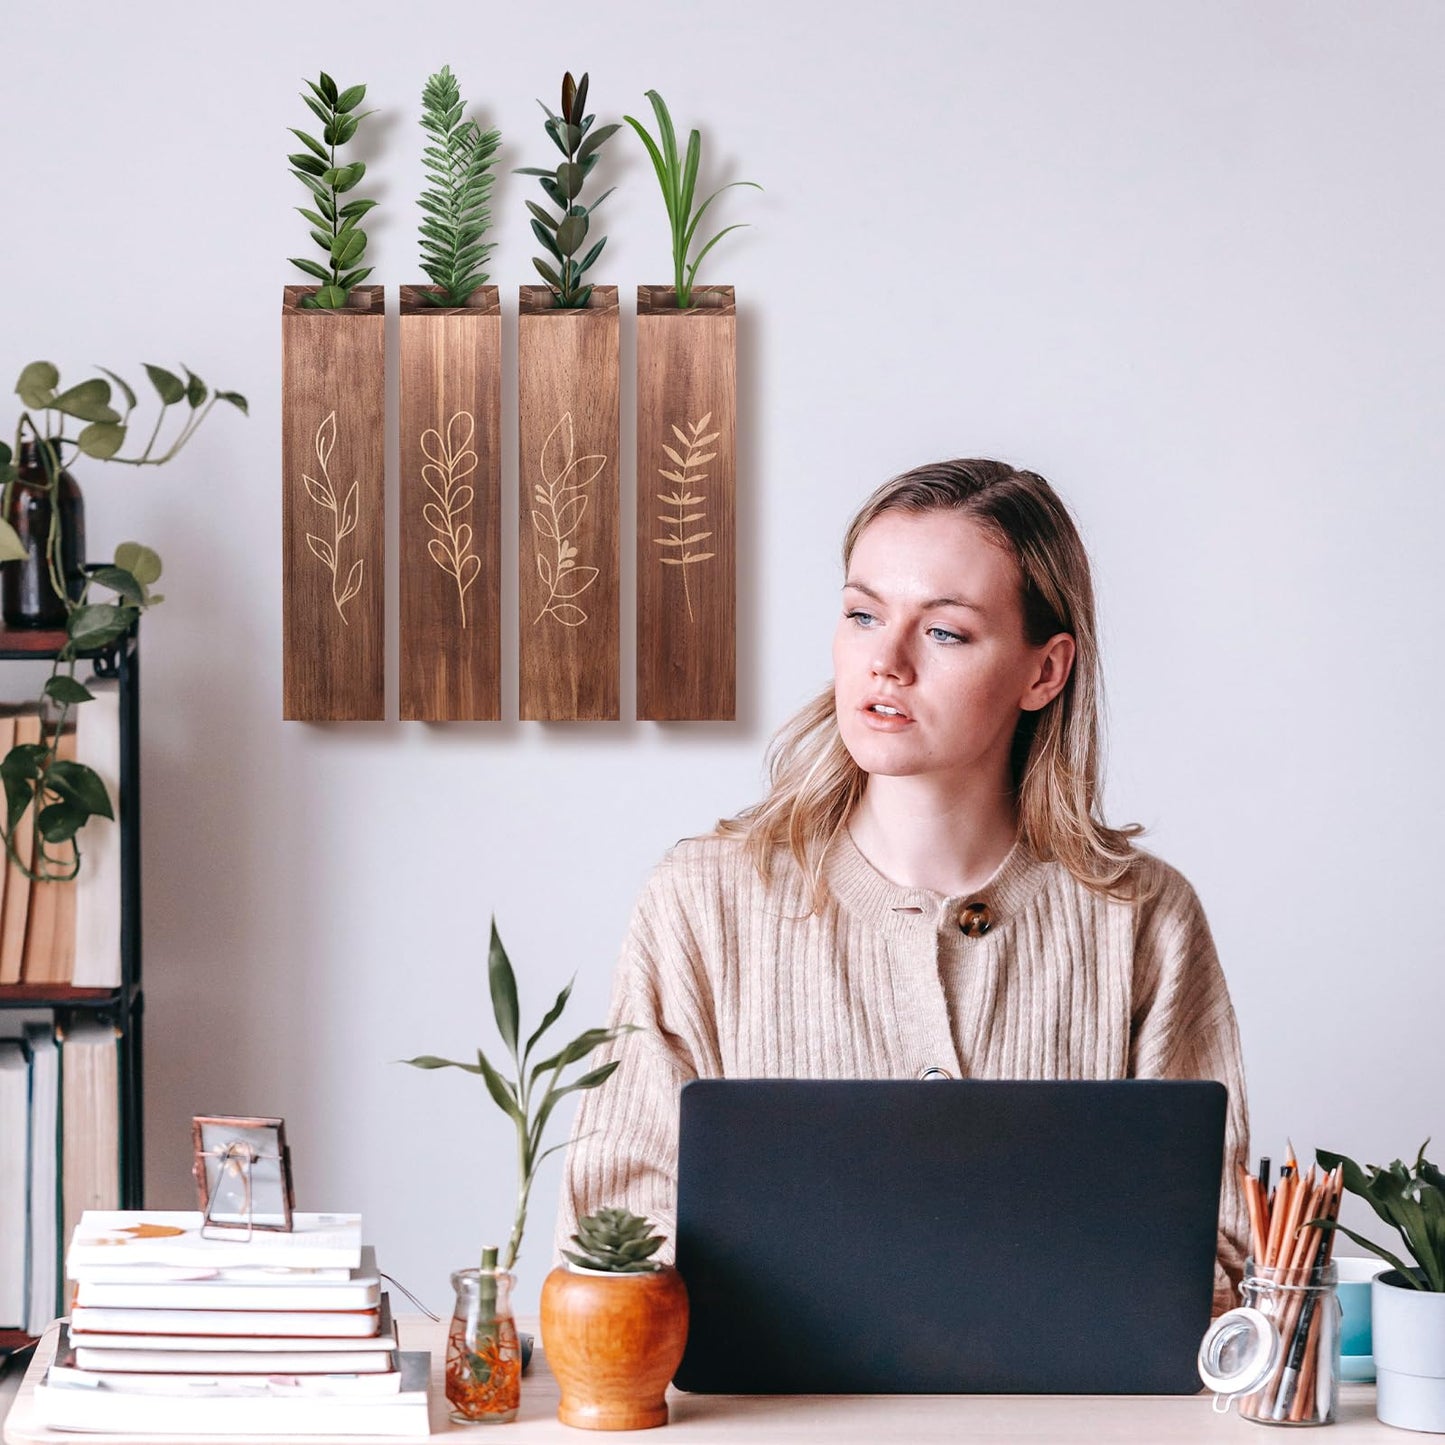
(949, 1236)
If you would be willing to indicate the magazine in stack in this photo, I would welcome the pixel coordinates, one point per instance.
(276, 1334)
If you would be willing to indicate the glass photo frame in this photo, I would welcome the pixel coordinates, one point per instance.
(243, 1173)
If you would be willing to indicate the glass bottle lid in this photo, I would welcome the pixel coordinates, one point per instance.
(1239, 1352)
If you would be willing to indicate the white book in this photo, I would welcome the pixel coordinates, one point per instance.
(89, 1118)
(275, 1324)
(97, 888)
(176, 1273)
(156, 1236)
(14, 1182)
(348, 1383)
(239, 1362)
(44, 1177)
(206, 1350)
(64, 1405)
(281, 1290)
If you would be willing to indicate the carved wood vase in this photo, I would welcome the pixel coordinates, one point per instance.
(614, 1342)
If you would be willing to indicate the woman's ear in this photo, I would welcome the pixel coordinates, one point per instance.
(1055, 663)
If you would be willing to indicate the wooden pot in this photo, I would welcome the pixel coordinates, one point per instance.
(614, 1342)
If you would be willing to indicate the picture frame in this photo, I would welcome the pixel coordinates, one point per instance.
(242, 1168)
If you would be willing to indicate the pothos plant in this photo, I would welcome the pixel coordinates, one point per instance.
(564, 236)
(530, 1095)
(60, 795)
(678, 178)
(335, 225)
(459, 174)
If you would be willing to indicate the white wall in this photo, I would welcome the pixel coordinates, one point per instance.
(1184, 259)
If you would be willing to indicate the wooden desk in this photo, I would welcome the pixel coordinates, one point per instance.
(831, 1420)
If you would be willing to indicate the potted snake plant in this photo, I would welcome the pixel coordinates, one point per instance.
(1407, 1302)
(614, 1324)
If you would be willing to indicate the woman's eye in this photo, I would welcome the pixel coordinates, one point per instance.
(942, 634)
(863, 619)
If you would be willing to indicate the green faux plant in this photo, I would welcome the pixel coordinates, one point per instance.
(1411, 1201)
(530, 1095)
(678, 178)
(564, 236)
(615, 1241)
(335, 225)
(459, 173)
(67, 794)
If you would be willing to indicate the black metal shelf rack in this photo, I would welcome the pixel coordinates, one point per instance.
(124, 1005)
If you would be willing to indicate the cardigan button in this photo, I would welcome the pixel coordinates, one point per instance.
(934, 1071)
(973, 919)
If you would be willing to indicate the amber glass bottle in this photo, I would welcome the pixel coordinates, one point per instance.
(27, 598)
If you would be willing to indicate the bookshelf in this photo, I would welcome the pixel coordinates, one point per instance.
(122, 1006)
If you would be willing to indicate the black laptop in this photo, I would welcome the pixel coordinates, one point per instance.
(843, 1237)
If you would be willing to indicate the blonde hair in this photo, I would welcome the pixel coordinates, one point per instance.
(814, 782)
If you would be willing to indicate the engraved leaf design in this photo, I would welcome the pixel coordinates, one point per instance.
(450, 459)
(576, 581)
(322, 492)
(685, 475)
(561, 504)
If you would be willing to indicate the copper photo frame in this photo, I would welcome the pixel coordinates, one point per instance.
(242, 1169)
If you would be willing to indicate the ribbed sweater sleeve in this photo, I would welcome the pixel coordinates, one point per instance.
(624, 1139)
(1184, 1028)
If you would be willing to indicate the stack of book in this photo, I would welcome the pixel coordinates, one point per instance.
(279, 1334)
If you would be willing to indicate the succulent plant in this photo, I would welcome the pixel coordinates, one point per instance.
(335, 225)
(459, 173)
(615, 1241)
(564, 236)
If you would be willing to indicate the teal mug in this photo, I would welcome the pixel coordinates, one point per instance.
(1353, 1289)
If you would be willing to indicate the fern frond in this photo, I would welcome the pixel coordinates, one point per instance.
(456, 202)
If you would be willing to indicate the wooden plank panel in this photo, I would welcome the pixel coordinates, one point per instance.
(686, 512)
(567, 363)
(332, 396)
(451, 494)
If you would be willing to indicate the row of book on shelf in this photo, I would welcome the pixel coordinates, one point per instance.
(67, 933)
(176, 1331)
(60, 1123)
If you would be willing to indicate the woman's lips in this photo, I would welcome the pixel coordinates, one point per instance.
(884, 722)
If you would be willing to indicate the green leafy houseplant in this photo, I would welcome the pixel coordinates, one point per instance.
(564, 236)
(459, 173)
(67, 794)
(678, 179)
(335, 225)
(1411, 1201)
(615, 1241)
(531, 1094)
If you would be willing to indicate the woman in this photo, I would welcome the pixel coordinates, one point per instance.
(927, 891)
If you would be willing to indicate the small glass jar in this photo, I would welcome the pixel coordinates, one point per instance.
(484, 1355)
(1277, 1355)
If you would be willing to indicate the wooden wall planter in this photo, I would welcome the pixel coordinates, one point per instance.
(686, 518)
(451, 480)
(332, 395)
(568, 583)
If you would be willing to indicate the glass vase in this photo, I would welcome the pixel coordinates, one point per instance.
(29, 597)
(484, 1356)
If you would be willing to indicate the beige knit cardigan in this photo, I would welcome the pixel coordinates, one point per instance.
(729, 977)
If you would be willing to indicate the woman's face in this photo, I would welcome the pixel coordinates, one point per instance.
(930, 665)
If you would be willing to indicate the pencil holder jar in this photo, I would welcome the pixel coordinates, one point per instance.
(1277, 1356)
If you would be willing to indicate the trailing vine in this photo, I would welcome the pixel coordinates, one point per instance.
(62, 795)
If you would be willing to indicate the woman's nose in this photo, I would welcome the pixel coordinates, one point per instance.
(890, 659)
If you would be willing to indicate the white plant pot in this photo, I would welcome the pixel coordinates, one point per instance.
(1409, 1331)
